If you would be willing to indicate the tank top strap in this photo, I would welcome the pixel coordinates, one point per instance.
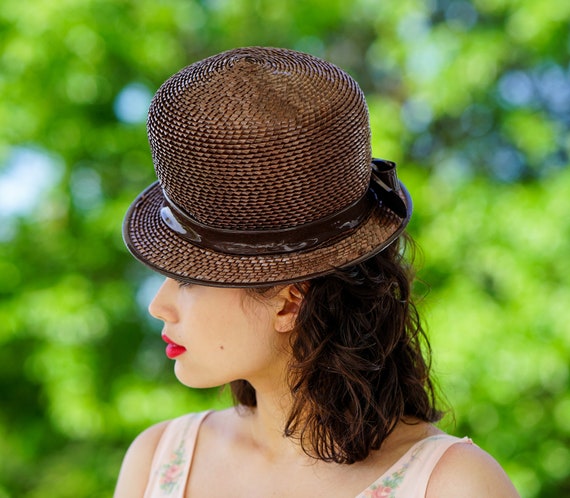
(409, 476)
(173, 457)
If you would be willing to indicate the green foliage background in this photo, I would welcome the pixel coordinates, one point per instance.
(471, 98)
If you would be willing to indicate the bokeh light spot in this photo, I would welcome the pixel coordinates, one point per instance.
(132, 102)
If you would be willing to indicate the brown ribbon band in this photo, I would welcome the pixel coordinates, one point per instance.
(383, 187)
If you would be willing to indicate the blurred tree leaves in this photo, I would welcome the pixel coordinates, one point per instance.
(472, 98)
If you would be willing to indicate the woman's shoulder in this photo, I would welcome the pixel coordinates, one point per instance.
(138, 460)
(468, 471)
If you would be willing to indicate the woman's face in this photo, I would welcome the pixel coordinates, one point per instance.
(218, 335)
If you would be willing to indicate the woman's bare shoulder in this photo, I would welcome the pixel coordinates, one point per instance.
(466, 470)
(137, 462)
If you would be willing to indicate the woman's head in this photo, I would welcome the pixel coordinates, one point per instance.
(264, 172)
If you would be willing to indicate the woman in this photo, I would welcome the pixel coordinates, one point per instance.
(282, 242)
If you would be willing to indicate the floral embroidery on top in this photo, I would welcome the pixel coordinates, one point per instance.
(386, 487)
(171, 472)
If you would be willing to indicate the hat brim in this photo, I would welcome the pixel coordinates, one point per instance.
(163, 250)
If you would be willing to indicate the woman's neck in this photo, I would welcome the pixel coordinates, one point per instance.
(266, 424)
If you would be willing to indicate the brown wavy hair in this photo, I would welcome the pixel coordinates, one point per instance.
(360, 360)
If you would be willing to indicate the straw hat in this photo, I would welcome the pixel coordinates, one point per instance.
(264, 173)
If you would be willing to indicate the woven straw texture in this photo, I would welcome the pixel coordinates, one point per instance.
(256, 133)
(254, 139)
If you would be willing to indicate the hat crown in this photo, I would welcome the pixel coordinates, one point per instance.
(260, 138)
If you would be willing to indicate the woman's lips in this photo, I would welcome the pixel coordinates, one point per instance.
(172, 349)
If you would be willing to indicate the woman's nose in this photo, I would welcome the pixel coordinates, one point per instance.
(161, 306)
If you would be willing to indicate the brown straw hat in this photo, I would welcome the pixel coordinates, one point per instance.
(264, 173)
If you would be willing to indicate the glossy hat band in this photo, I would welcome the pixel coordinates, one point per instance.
(384, 186)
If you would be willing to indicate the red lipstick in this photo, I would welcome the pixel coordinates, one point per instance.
(172, 349)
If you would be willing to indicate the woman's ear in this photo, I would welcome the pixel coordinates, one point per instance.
(289, 301)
